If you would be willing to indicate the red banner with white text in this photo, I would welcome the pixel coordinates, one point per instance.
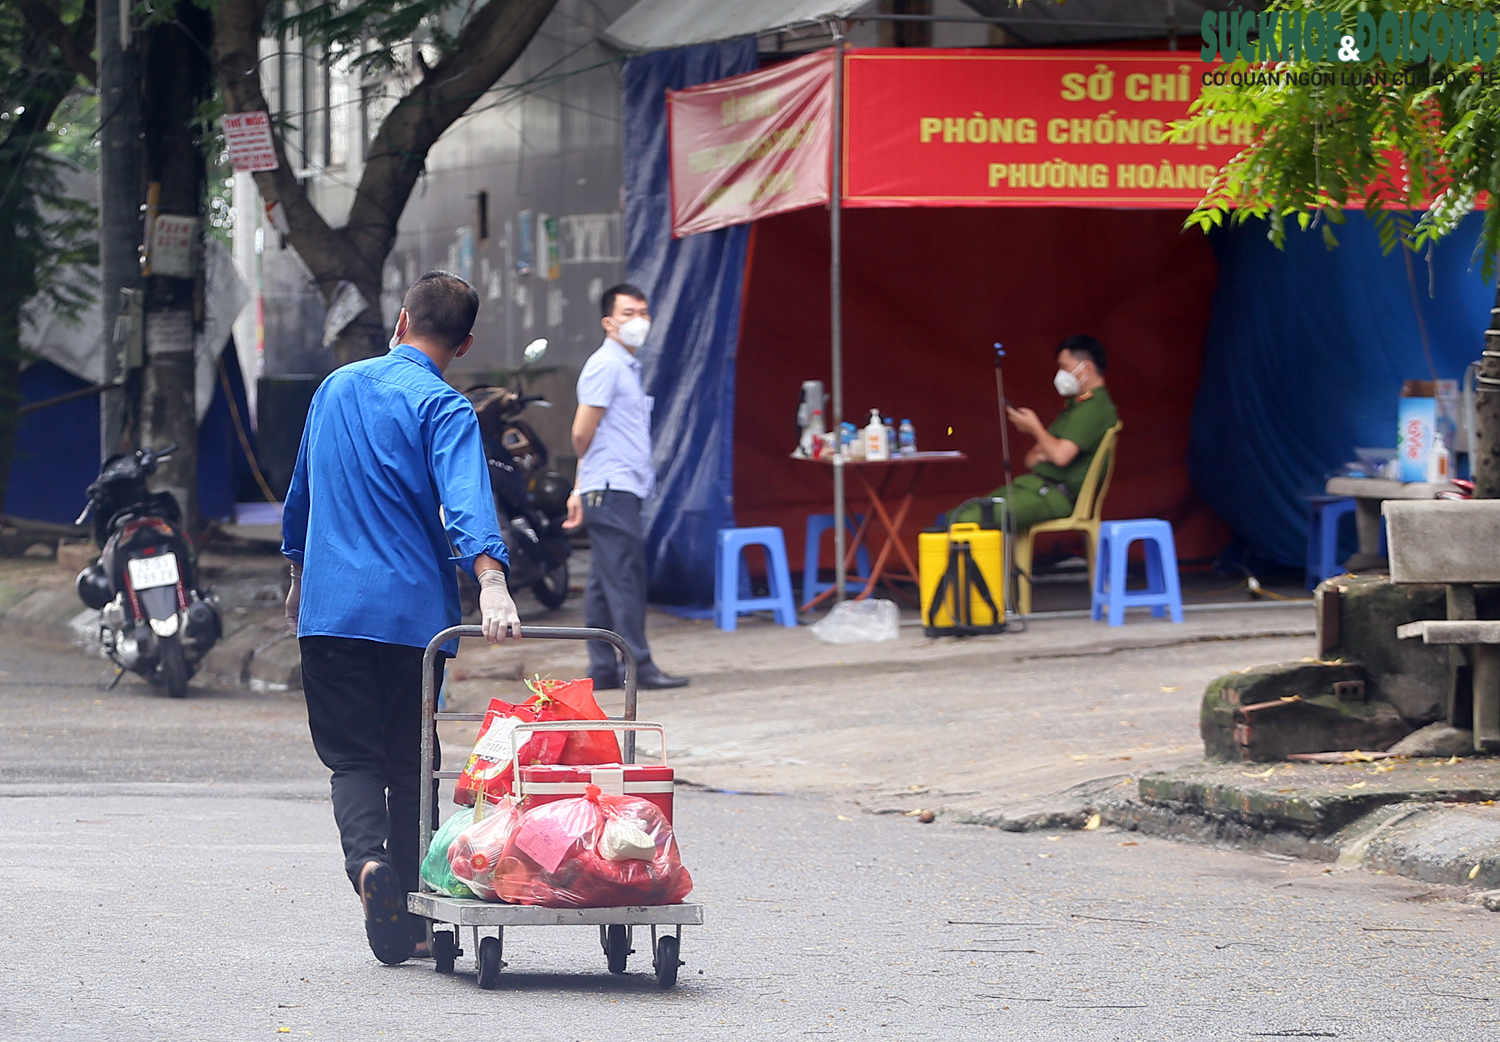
(1026, 128)
(752, 145)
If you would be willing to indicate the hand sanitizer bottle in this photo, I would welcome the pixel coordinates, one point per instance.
(875, 441)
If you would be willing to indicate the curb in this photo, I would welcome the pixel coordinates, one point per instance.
(1445, 830)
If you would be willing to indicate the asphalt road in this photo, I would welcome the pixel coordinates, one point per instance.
(170, 871)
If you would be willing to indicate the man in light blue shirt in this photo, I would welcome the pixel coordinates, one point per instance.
(612, 436)
(391, 491)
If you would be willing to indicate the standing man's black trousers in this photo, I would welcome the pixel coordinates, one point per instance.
(364, 708)
(614, 598)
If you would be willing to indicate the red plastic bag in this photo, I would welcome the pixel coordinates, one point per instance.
(478, 849)
(489, 767)
(594, 852)
(574, 700)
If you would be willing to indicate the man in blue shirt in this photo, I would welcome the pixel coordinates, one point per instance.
(612, 436)
(390, 492)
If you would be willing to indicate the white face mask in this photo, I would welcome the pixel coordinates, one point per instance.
(1066, 381)
(632, 332)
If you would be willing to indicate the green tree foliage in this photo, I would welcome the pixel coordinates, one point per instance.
(1427, 135)
(1414, 144)
(48, 240)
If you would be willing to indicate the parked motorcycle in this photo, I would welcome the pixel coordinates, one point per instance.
(154, 619)
(531, 501)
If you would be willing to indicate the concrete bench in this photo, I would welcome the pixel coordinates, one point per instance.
(1452, 631)
(1455, 543)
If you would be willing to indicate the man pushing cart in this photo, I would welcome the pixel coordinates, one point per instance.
(391, 490)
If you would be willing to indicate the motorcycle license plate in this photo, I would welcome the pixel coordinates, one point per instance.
(147, 572)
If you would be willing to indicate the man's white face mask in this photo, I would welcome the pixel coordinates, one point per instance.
(1066, 381)
(632, 332)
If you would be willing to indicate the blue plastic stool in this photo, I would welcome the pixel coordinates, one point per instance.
(729, 601)
(1323, 536)
(817, 524)
(1162, 594)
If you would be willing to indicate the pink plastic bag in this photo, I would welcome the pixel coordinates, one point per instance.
(592, 852)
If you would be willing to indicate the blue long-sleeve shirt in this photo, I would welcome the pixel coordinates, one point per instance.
(388, 443)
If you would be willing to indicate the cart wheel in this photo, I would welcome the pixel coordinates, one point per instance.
(666, 961)
(444, 950)
(617, 948)
(489, 963)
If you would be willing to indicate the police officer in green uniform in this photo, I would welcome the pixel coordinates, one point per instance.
(1062, 453)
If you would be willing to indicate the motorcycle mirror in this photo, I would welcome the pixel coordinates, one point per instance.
(535, 350)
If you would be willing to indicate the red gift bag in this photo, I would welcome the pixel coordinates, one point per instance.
(489, 767)
(574, 700)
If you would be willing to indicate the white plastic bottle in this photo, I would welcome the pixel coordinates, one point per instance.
(876, 447)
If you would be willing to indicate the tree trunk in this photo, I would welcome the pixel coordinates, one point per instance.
(1484, 452)
(368, 335)
(490, 41)
(177, 77)
(120, 198)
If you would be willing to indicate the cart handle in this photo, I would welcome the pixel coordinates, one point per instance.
(427, 802)
(579, 725)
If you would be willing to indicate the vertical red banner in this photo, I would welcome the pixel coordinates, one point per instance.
(752, 145)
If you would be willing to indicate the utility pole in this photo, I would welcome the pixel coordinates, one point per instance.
(120, 185)
(177, 77)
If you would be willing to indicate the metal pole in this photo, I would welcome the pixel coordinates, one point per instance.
(836, 304)
(1007, 521)
(120, 185)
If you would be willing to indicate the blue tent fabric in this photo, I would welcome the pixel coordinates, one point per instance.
(1306, 352)
(57, 449)
(224, 474)
(694, 286)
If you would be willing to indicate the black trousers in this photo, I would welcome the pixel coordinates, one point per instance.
(364, 709)
(614, 598)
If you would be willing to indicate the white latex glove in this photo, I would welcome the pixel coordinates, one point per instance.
(497, 612)
(294, 596)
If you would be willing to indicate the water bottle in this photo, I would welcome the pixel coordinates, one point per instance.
(908, 438)
(890, 437)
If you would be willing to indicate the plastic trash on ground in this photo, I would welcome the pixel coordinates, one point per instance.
(436, 872)
(594, 852)
(859, 622)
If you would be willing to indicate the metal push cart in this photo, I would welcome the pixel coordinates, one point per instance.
(616, 925)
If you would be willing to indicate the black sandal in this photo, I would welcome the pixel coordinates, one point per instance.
(386, 924)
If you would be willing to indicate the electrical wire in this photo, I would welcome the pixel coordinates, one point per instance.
(1257, 590)
(239, 429)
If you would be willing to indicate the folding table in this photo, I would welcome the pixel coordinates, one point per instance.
(877, 476)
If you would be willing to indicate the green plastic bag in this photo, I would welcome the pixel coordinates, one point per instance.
(436, 872)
